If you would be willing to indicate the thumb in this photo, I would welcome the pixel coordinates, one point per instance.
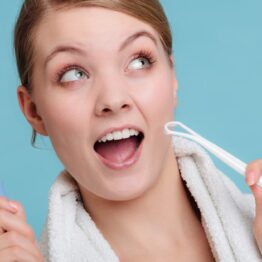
(253, 174)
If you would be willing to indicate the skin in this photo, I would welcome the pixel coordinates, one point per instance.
(112, 92)
(17, 239)
(112, 96)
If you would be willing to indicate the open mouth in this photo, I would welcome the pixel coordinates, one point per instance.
(119, 149)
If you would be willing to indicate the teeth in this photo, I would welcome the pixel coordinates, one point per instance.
(118, 135)
(126, 133)
(132, 132)
(109, 137)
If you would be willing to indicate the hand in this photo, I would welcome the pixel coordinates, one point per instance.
(17, 239)
(253, 173)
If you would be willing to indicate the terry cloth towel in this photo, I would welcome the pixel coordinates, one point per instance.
(227, 215)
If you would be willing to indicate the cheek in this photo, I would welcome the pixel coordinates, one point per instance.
(63, 116)
(155, 99)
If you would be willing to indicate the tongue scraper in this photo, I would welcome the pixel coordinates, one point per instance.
(236, 164)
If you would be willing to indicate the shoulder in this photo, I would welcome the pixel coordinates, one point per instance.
(196, 163)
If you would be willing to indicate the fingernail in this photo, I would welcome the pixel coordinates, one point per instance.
(13, 206)
(251, 179)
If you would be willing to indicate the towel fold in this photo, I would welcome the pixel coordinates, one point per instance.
(227, 215)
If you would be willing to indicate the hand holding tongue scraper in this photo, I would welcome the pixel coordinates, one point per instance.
(220, 153)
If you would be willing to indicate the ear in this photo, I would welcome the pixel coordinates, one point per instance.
(28, 107)
(175, 88)
(175, 83)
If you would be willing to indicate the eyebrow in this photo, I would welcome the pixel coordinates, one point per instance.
(79, 51)
(63, 49)
(136, 35)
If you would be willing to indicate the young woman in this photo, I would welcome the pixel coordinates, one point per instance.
(97, 77)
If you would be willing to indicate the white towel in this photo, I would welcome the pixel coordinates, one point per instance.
(227, 215)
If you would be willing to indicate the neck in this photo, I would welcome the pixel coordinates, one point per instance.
(164, 213)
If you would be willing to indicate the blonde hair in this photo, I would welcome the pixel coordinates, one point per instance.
(33, 11)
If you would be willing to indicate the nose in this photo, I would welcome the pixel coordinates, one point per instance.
(113, 98)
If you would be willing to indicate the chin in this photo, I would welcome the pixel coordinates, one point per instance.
(129, 190)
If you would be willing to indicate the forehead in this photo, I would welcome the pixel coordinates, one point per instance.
(95, 27)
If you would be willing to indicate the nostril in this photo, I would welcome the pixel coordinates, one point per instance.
(106, 110)
(112, 109)
(125, 106)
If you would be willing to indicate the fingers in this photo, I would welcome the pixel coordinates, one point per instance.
(13, 239)
(8, 205)
(12, 206)
(253, 172)
(19, 209)
(5, 204)
(11, 222)
(12, 218)
(17, 239)
(17, 254)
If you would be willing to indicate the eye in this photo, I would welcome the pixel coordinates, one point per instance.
(139, 63)
(144, 59)
(73, 75)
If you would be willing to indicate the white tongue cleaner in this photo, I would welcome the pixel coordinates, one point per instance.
(117, 151)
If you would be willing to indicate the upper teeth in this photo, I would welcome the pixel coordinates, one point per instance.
(117, 135)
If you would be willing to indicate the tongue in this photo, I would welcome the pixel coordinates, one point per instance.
(117, 151)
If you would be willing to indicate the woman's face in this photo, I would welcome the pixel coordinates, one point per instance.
(98, 71)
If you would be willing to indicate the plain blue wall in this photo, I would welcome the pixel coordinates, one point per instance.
(217, 47)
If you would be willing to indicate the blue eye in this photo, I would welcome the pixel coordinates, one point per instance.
(73, 75)
(139, 63)
(144, 59)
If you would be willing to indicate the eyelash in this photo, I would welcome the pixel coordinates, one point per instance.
(67, 68)
(146, 54)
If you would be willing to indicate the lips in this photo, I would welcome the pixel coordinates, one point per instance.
(120, 153)
(119, 129)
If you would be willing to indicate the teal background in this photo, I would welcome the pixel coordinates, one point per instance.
(217, 47)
